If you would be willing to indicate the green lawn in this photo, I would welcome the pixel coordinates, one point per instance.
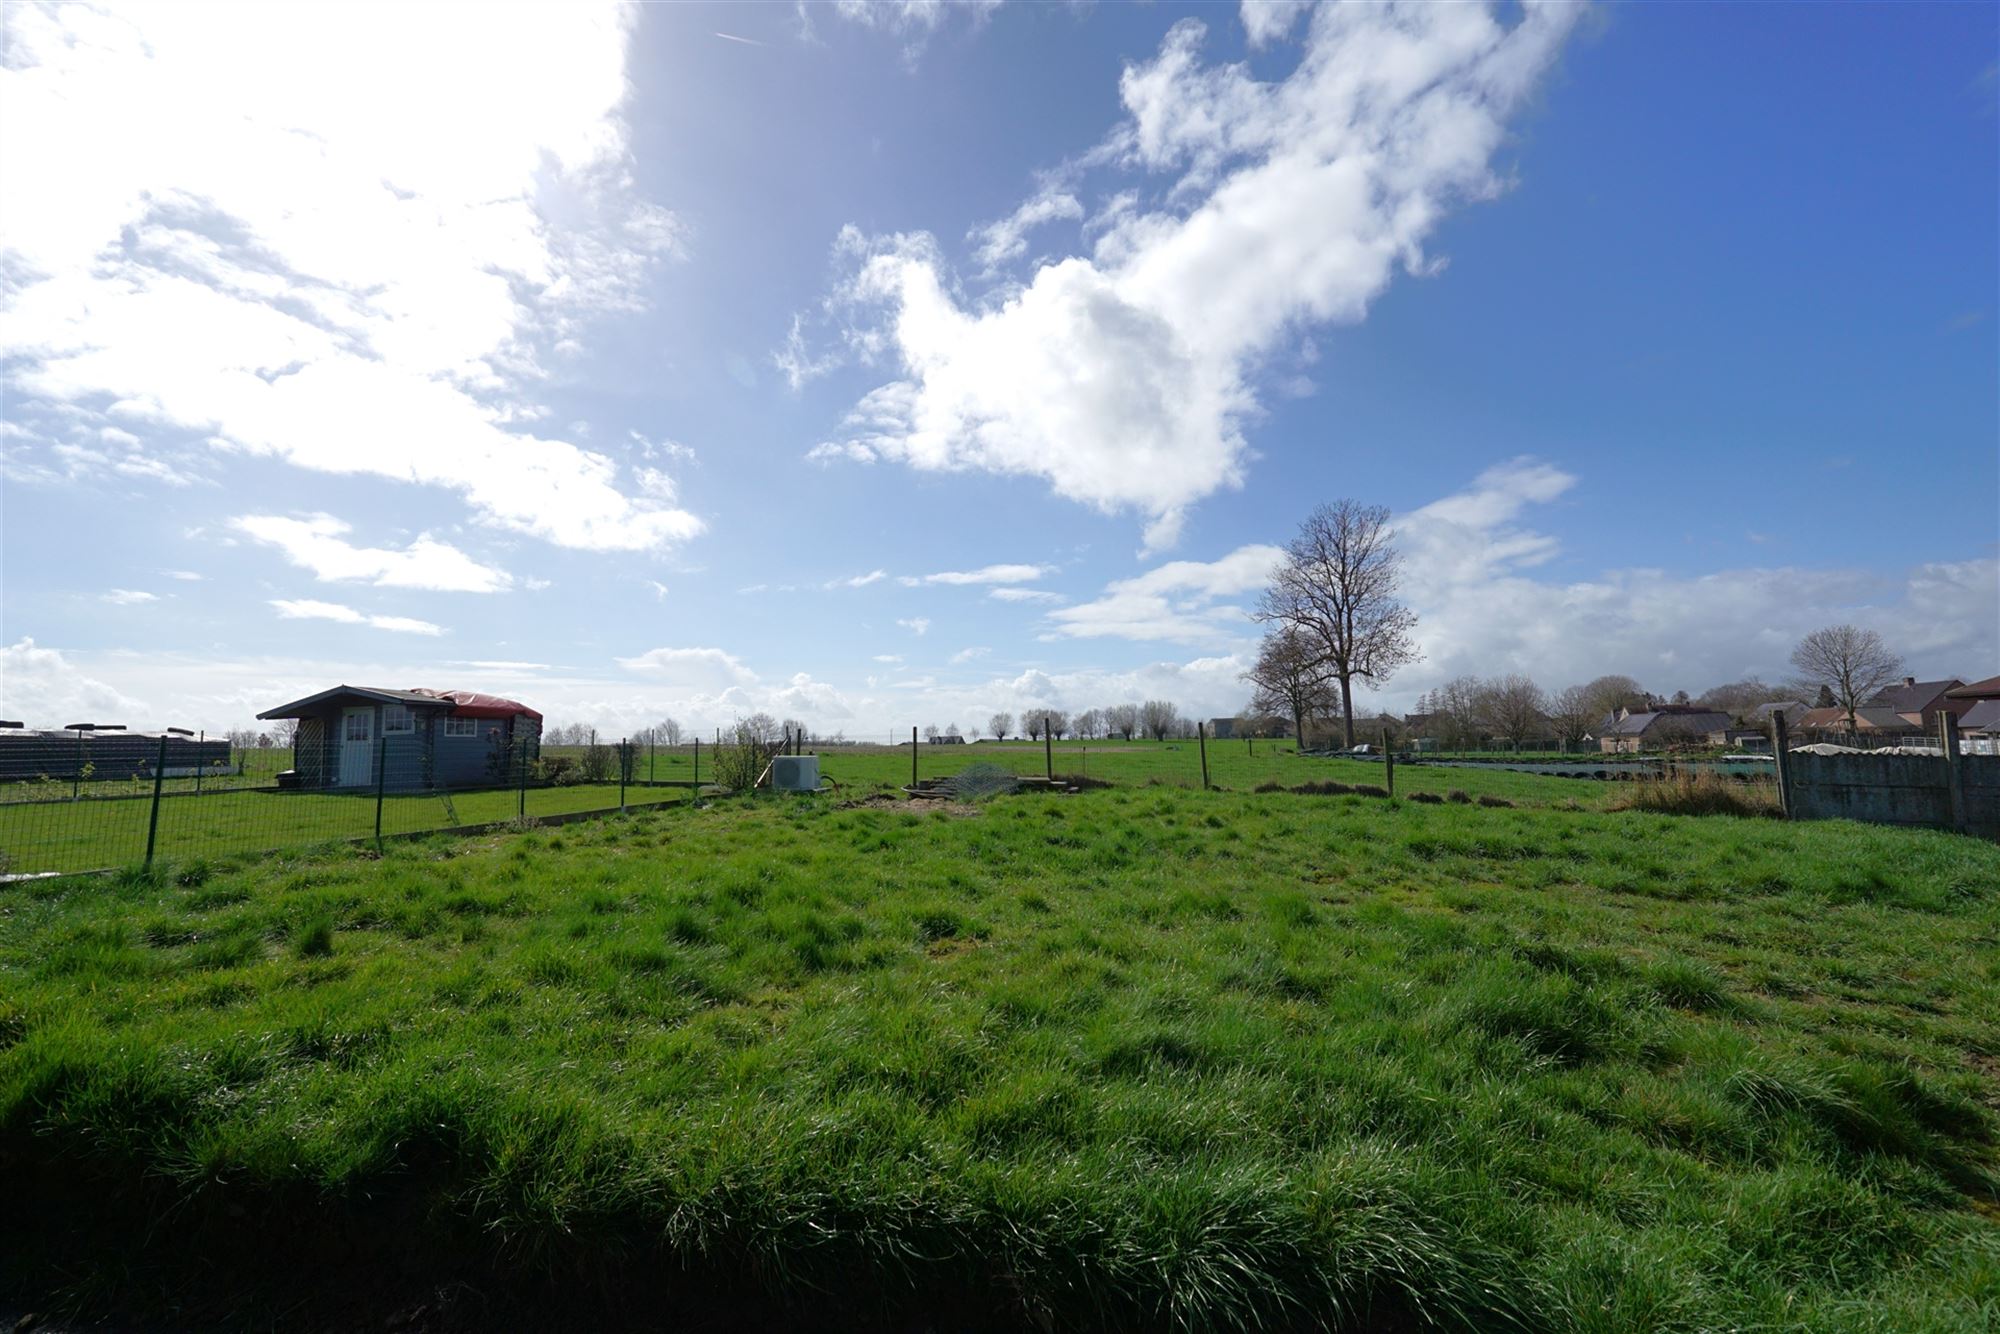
(1140, 1057)
(109, 828)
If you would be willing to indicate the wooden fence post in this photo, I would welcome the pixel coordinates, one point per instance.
(1201, 739)
(1388, 764)
(913, 761)
(1781, 744)
(1954, 777)
(1048, 751)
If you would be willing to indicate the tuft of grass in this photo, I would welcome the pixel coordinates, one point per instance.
(1702, 793)
(313, 939)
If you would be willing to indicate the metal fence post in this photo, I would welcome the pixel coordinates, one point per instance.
(624, 766)
(913, 758)
(201, 744)
(381, 782)
(1780, 746)
(694, 793)
(521, 801)
(153, 820)
(1201, 739)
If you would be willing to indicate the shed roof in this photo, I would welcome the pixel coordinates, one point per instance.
(472, 704)
(377, 694)
(1987, 689)
(463, 703)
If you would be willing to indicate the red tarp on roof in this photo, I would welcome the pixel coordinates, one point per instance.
(472, 704)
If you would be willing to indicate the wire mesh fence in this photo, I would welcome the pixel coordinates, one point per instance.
(75, 801)
(185, 798)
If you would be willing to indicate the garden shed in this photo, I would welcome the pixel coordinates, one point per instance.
(417, 739)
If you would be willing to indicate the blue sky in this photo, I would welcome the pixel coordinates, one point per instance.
(892, 365)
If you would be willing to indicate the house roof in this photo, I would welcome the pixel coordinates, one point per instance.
(1982, 717)
(1790, 706)
(1638, 724)
(1987, 689)
(463, 703)
(1884, 720)
(1871, 719)
(1819, 720)
(1912, 696)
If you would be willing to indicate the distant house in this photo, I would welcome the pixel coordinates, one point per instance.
(421, 738)
(1832, 722)
(1973, 693)
(1793, 709)
(946, 739)
(1919, 702)
(1658, 727)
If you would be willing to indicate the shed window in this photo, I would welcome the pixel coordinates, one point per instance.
(396, 720)
(461, 727)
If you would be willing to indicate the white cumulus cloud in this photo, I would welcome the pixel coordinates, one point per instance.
(307, 609)
(317, 542)
(1125, 376)
(1181, 601)
(347, 239)
(986, 574)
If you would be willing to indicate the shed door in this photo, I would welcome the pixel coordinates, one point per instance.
(357, 747)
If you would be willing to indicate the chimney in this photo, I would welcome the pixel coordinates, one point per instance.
(1909, 681)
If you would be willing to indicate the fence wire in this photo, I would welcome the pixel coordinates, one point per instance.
(66, 806)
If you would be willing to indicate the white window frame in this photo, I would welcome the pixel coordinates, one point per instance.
(398, 720)
(461, 727)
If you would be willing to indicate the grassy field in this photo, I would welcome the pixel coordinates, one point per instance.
(1140, 1057)
(109, 828)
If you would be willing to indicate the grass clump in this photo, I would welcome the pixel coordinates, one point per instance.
(1697, 793)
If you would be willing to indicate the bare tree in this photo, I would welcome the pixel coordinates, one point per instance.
(1291, 677)
(285, 731)
(1033, 721)
(1451, 712)
(1090, 724)
(1608, 694)
(1157, 718)
(669, 731)
(1849, 662)
(1337, 585)
(1000, 724)
(1057, 721)
(1512, 706)
(1573, 713)
(1739, 699)
(931, 732)
(1122, 719)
